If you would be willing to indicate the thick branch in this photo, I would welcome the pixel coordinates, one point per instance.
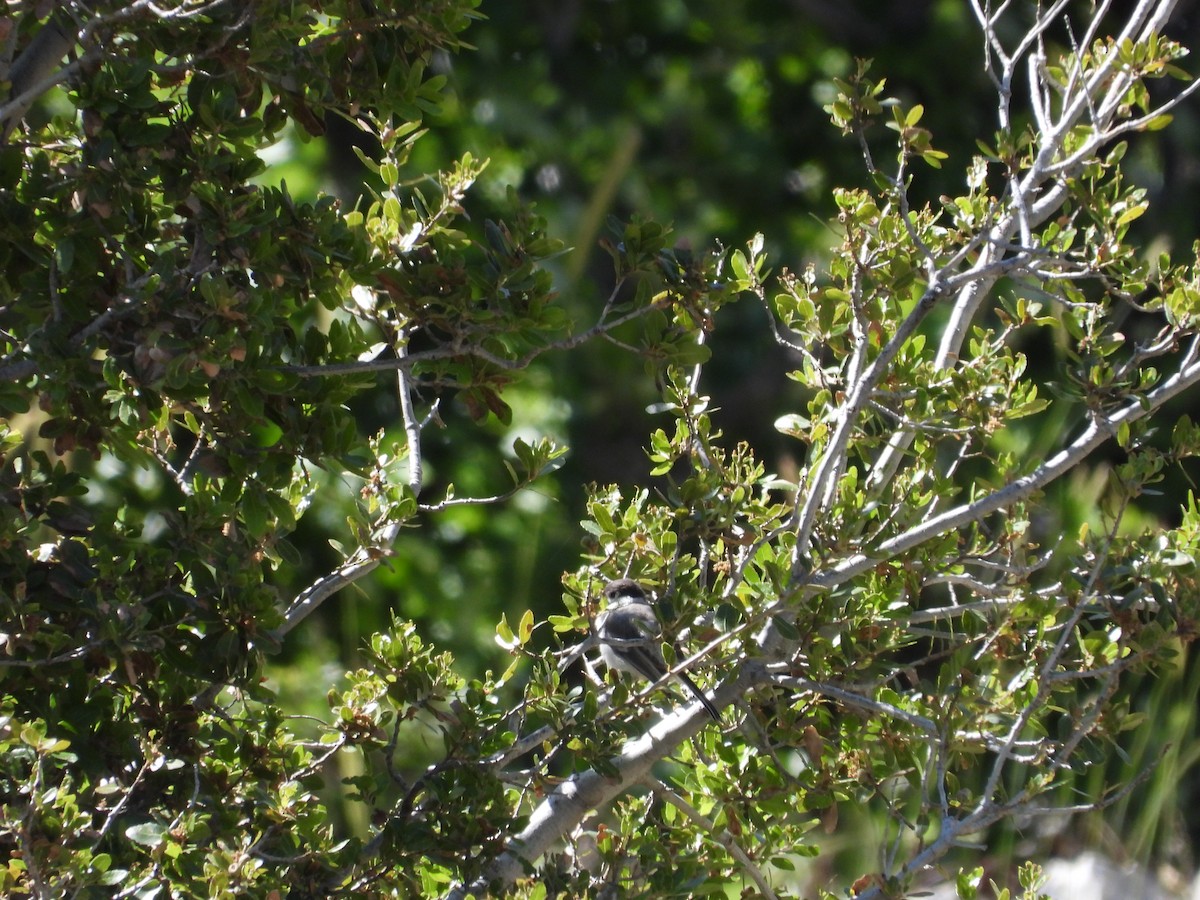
(34, 71)
(564, 808)
(324, 588)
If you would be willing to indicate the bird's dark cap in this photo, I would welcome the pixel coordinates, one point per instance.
(625, 587)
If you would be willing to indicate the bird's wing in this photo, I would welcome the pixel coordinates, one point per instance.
(642, 627)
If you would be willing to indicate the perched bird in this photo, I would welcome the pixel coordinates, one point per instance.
(630, 634)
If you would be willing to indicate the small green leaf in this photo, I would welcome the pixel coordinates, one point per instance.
(563, 623)
(504, 634)
(737, 261)
(266, 433)
(148, 834)
(793, 425)
(525, 628)
(786, 629)
(1134, 212)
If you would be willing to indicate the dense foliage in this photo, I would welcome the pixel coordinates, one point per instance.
(198, 367)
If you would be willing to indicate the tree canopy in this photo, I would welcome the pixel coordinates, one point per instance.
(895, 467)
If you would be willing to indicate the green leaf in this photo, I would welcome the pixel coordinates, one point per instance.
(564, 623)
(794, 425)
(525, 628)
(741, 269)
(255, 514)
(504, 634)
(1134, 212)
(148, 834)
(786, 629)
(364, 159)
(266, 433)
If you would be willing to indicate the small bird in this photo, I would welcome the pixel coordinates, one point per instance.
(630, 633)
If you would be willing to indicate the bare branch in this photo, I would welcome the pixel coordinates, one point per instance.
(359, 565)
(1099, 430)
